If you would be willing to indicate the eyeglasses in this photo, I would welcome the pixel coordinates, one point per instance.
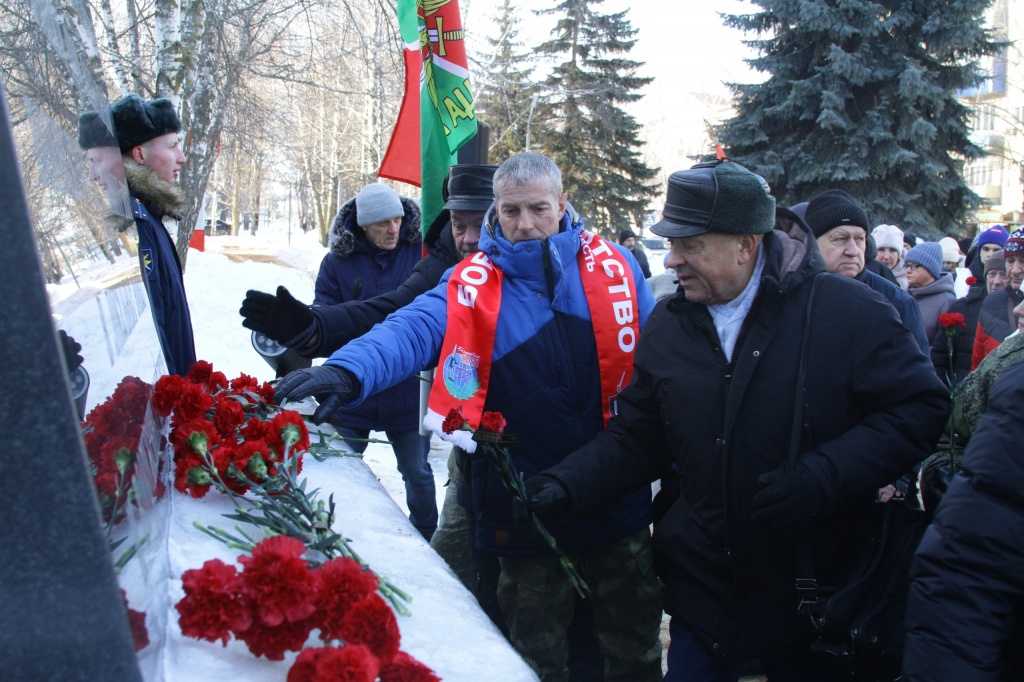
(912, 266)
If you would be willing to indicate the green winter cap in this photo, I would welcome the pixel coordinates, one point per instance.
(716, 196)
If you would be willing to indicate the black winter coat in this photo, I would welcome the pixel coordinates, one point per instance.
(963, 341)
(151, 200)
(966, 600)
(872, 410)
(338, 324)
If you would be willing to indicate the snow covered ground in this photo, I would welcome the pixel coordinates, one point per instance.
(216, 281)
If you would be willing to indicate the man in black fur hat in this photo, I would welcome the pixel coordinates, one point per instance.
(147, 134)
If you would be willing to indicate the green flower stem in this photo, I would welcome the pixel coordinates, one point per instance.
(283, 507)
(513, 480)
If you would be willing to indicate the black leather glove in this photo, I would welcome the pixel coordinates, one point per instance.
(545, 496)
(790, 501)
(72, 351)
(282, 317)
(340, 383)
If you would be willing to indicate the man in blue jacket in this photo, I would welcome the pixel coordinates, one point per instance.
(714, 397)
(539, 325)
(147, 133)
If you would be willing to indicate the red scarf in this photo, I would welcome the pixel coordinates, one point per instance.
(474, 301)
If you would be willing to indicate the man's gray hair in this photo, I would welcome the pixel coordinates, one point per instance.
(528, 167)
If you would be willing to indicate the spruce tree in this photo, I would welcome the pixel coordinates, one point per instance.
(861, 96)
(580, 122)
(505, 96)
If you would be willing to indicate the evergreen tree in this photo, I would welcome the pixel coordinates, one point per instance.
(580, 123)
(861, 96)
(504, 101)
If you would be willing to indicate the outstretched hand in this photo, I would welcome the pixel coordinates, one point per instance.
(281, 317)
(341, 384)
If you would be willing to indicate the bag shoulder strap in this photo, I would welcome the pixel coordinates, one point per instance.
(806, 585)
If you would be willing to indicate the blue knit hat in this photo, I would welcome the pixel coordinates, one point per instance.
(993, 235)
(928, 255)
(377, 202)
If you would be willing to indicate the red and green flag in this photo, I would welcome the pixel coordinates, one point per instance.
(437, 115)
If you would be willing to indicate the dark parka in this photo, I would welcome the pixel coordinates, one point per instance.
(966, 601)
(995, 321)
(963, 340)
(151, 200)
(339, 324)
(904, 303)
(355, 270)
(873, 408)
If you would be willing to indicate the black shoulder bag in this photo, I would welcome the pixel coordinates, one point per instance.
(859, 624)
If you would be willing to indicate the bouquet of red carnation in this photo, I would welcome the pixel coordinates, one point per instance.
(278, 599)
(226, 433)
(111, 433)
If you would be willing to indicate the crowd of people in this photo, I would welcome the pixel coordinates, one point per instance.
(793, 369)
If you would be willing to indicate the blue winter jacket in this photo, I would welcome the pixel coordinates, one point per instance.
(544, 380)
(356, 270)
(162, 270)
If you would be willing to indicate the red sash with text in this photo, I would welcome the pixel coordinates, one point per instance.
(474, 301)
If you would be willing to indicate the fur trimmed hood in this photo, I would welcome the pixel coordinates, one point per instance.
(346, 237)
(160, 197)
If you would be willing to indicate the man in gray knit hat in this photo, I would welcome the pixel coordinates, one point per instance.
(374, 244)
(710, 410)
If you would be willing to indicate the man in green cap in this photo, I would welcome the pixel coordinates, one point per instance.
(711, 408)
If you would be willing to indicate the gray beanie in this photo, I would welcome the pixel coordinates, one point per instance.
(928, 255)
(995, 262)
(377, 202)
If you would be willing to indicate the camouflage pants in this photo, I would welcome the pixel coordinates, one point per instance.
(452, 539)
(537, 601)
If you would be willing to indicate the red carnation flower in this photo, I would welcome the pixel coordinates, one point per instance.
(493, 422)
(196, 436)
(254, 429)
(278, 580)
(288, 428)
(340, 583)
(405, 668)
(350, 663)
(167, 393)
(212, 607)
(454, 421)
(243, 382)
(200, 372)
(274, 641)
(971, 281)
(949, 320)
(137, 624)
(193, 403)
(243, 455)
(217, 382)
(228, 416)
(266, 391)
(371, 621)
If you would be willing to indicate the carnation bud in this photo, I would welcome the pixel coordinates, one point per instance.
(123, 459)
(257, 467)
(290, 435)
(198, 440)
(199, 476)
